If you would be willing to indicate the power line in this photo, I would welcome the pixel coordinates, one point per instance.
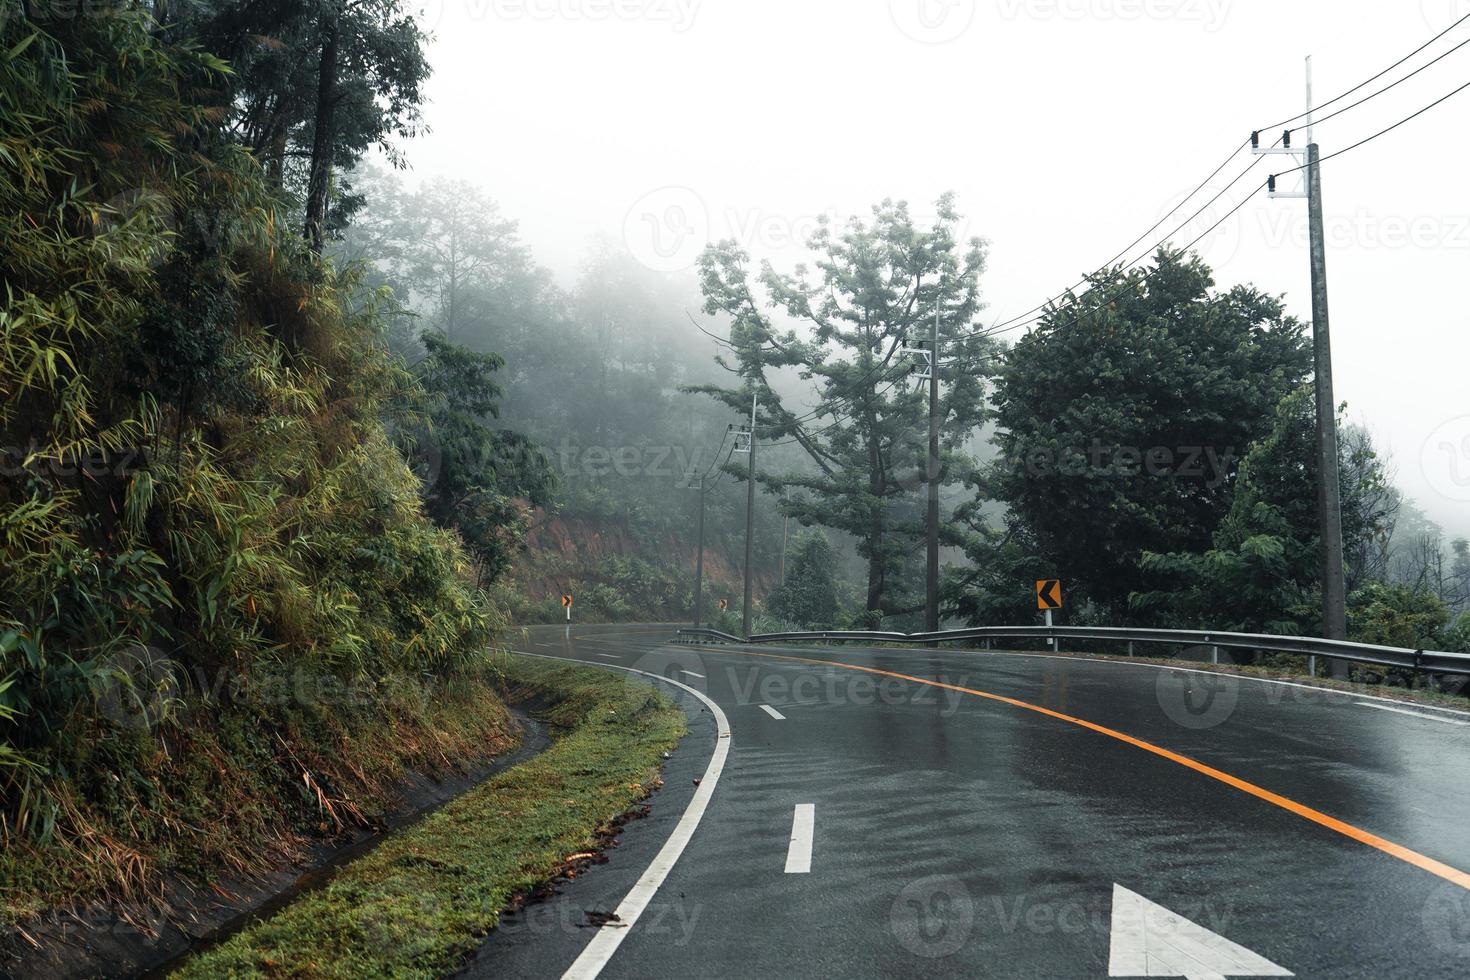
(821, 408)
(1231, 213)
(707, 472)
(1391, 86)
(1367, 82)
(1224, 218)
(728, 456)
(1026, 319)
(837, 420)
(1029, 316)
(721, 340)
(825, 408)
(1381, 132)
(1129, 247)
(1119, 272)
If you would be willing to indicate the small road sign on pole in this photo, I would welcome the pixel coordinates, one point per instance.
(1049, 597)
(566, 603)
(724, 604)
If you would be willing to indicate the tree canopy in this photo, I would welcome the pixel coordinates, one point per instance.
(1122, 418)
(877, 288)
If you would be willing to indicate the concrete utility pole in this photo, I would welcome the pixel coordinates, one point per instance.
(1329, 487)
(699, 562)
(931, 578)
(749, 523)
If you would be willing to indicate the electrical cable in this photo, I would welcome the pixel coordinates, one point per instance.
(1006, 326)
(1365, 83)
(1386, 88)
(1381, 132)
(1129, 247)
(1017, 323)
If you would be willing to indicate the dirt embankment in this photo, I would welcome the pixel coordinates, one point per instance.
(560, 548)
(105, 939)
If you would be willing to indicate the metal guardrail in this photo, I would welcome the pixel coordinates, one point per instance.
(1402, 658)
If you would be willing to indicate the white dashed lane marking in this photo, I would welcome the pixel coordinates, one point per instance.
(799, 853)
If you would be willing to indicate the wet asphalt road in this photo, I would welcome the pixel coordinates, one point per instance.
(956, 835)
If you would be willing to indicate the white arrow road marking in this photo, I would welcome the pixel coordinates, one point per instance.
(1415, 714)
(799, 854)
(608, 656)
(773, 712)
(1150, 941)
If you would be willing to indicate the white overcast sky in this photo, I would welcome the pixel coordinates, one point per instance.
(1065, 127)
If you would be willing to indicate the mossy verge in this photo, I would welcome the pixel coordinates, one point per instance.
(420, 902)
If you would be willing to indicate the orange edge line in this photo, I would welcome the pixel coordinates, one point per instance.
(1422, 861)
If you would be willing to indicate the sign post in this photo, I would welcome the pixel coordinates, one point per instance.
(566, 603)
(1049, 597)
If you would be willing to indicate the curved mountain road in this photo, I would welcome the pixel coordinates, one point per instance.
(961, 813)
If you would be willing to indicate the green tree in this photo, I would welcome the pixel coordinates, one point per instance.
(1263, 571)
(1457, 635)
(812, 595)
(205, 473)
(877, 288)
(997, 586)
(316, 84)
(1122, 415)
(476, 478)
(1397, 616)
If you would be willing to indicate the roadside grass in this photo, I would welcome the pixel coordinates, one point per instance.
(238, 786)
(419, 903)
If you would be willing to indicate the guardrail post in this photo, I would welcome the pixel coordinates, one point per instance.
(1214, 655)
(1130, 648)
(1312, 665)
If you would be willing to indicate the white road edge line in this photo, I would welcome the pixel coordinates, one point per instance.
(1415, 714)
(605, 941)
(773, 712)
(1351, 696)
(608, 656)
(799, 852)
(691, 673)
